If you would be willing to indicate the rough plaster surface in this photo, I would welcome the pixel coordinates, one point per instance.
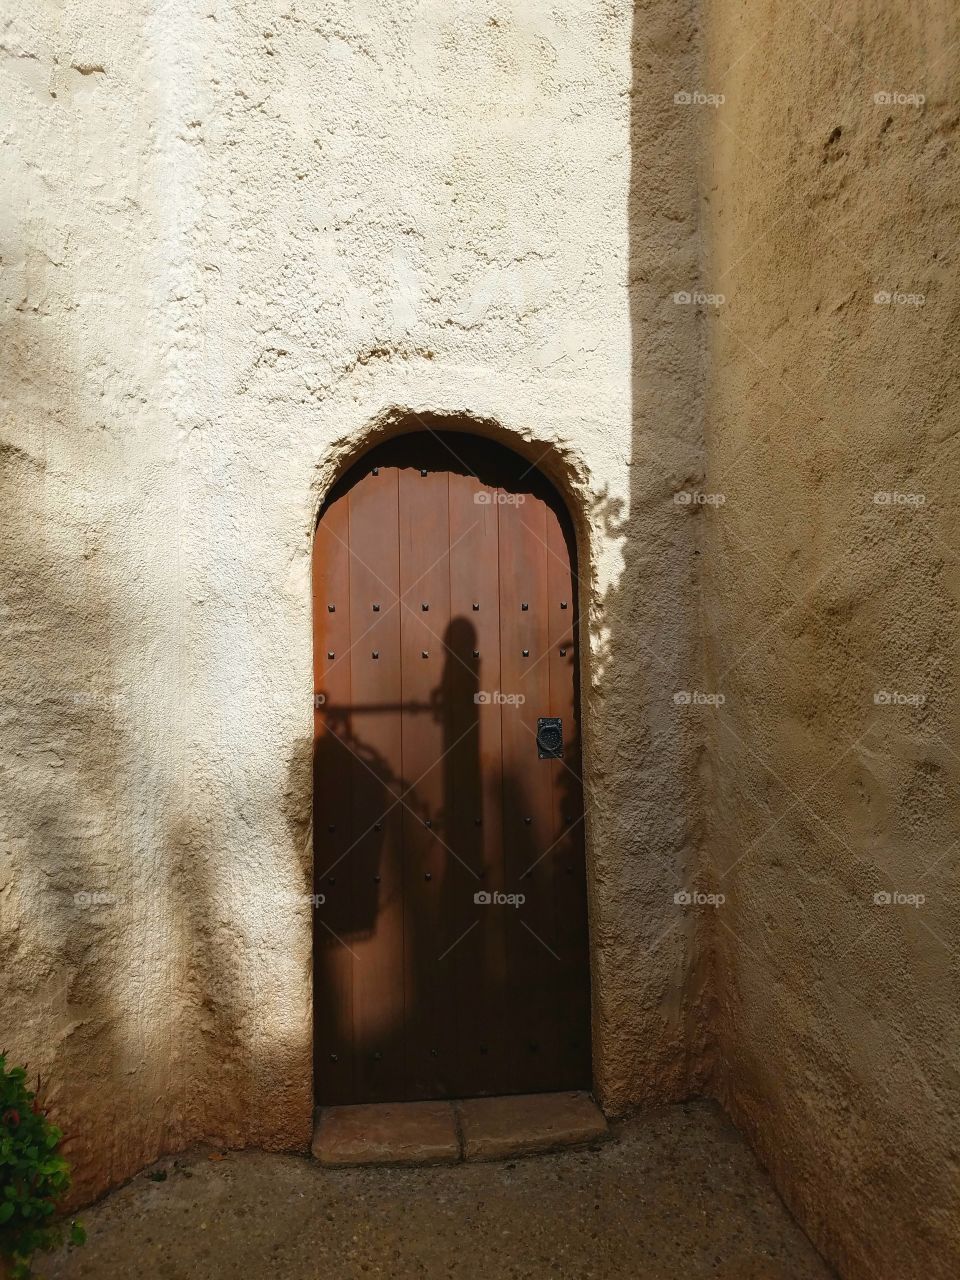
(244, 242)
(838, 1018)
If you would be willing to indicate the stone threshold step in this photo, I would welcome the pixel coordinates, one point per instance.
(418, 1133)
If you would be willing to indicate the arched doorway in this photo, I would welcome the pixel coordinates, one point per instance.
(451, 954)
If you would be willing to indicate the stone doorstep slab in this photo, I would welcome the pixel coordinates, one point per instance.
(387, 1133)
(419, 1133)
(496, 1128)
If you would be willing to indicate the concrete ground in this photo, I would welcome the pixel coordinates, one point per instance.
(675, 1196)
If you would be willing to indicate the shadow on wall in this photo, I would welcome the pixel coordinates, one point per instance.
(86, 1002)
(68, 918)
(649, 652)
(120, 984)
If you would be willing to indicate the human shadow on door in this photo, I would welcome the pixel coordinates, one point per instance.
(442, 959)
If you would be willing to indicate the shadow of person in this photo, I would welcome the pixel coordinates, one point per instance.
(393, 885)
(441, 914)
(357, 897)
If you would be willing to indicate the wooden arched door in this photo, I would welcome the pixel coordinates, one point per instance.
(451, 954)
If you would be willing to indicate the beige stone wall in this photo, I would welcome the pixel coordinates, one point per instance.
(838, 1017)
(240, 242)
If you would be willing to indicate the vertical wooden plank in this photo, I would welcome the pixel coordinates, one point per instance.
(475, 767)
(566, 862)
(428, 877)
(527, 789)
(373, 735)
(332, 816)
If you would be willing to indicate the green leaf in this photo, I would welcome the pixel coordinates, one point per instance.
(33, 1177)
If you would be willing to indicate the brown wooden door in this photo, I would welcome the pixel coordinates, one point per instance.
(451, 954)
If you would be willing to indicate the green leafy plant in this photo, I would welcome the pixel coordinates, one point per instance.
(33, 1176)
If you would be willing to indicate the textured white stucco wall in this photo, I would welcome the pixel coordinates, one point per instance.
(243, 241)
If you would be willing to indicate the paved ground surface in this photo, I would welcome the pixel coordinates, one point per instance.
(675, 1196)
